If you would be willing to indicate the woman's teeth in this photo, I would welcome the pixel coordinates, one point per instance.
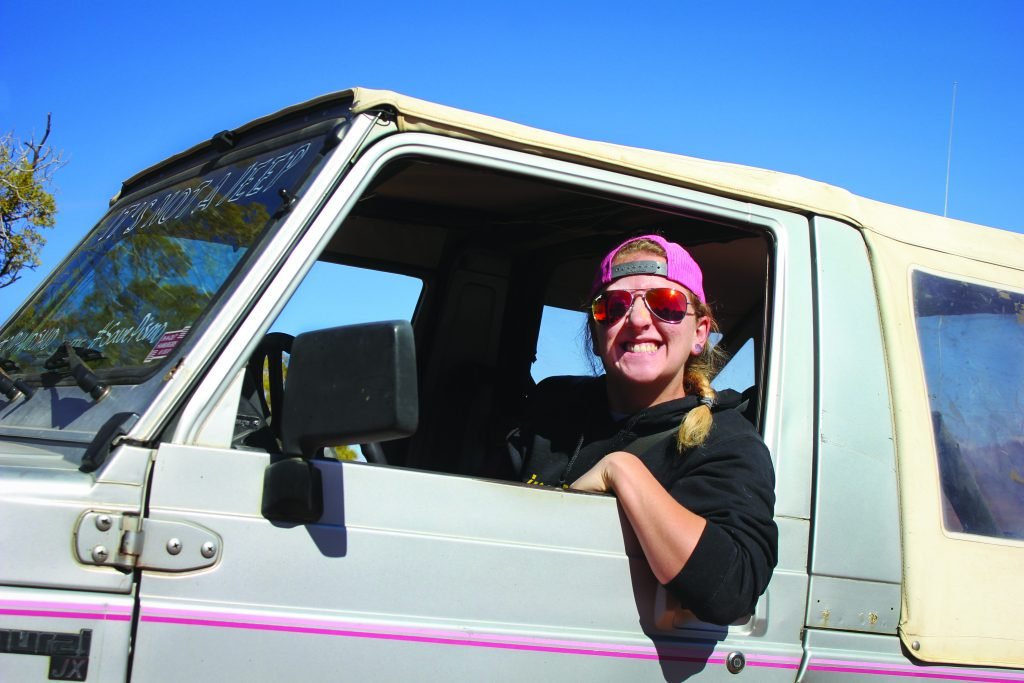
(645, 347)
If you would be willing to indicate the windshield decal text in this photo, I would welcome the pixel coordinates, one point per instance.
(117, 332)
(31, 341)
(114, 333)
(154, 264)
(257, 178)
(166, 344)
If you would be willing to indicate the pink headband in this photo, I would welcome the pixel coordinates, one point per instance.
(680, 267)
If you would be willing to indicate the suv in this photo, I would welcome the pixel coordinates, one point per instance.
(252, 427)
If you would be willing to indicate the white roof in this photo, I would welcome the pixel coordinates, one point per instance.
(745, 183)
(732, 180)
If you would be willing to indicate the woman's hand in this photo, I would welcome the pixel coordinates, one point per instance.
(667, 531)
(598, 478)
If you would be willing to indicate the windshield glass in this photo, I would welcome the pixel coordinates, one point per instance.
(143, 277)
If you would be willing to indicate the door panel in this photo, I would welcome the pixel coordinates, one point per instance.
(412, 573)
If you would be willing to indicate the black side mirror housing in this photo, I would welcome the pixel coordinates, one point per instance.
(351, 384)
(293, 491)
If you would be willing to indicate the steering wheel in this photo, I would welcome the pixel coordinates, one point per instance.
(269, 388)
(374, 453)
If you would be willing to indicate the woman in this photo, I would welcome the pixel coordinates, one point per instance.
(692, 475)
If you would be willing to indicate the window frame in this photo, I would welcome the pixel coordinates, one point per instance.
(786, 336)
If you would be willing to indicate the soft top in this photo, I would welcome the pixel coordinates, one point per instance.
(745, 183)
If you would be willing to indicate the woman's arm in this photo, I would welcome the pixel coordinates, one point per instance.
(667, 531)
(709, 537)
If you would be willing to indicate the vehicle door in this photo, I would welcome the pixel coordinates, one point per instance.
(429, 572)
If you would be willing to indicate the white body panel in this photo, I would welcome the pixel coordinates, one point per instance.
(410, 573)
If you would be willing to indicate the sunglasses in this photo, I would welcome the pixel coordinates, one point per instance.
(664, 303)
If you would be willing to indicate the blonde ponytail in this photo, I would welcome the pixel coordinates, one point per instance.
(696, 425)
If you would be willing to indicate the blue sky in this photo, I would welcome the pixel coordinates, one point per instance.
(856, 95)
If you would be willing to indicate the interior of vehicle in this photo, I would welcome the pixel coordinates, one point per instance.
(493, 252)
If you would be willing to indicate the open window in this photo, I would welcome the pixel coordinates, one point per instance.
(331, 295)
(485, 256)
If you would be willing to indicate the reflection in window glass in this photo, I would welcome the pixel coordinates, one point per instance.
(972, 345)
(151, 268)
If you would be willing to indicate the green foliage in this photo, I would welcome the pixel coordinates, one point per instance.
(159, 275)
(26, 205)
(345, 453)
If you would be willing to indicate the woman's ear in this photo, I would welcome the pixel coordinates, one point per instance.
(700, 335)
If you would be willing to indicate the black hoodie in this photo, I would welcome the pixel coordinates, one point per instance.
(728, 480)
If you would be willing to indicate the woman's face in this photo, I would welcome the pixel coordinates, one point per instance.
(643, 356)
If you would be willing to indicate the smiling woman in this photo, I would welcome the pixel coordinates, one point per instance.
(646, 350)
(693, 477)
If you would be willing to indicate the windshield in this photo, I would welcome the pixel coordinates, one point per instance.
(143, 277)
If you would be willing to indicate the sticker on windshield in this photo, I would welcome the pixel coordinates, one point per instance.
(166, 344)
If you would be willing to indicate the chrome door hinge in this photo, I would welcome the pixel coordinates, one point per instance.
(123, 540)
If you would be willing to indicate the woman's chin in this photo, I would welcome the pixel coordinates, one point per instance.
(638, 372)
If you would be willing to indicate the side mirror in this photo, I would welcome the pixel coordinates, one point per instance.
(351, 384)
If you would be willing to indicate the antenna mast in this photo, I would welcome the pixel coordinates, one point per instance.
(949, 150)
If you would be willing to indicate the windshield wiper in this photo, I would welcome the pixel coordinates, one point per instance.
(13, 388)
(68, 357)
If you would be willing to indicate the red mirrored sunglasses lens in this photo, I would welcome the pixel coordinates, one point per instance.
(667, 304)
(611, 306)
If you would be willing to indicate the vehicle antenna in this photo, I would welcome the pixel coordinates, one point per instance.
(949, 150)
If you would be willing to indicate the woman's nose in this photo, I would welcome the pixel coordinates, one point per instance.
(638, 315)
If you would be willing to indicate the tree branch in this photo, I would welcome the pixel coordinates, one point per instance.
(36, 149)
(26, 205)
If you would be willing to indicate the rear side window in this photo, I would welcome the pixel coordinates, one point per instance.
(972, 345)
(562, 347)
